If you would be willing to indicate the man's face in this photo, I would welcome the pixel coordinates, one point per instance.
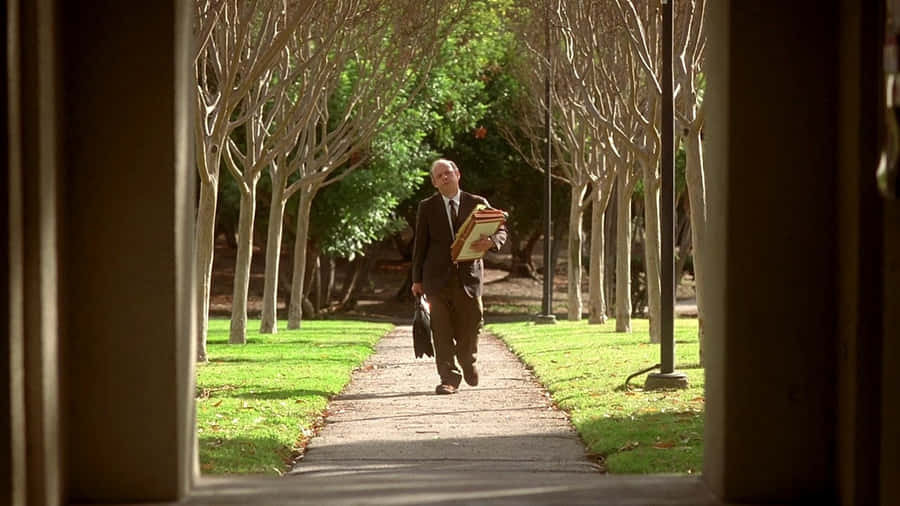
(446, 179)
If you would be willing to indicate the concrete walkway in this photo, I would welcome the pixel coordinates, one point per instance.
(388, 439)
(388, 417)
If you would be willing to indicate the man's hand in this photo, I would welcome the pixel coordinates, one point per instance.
(417, 289)
(483, 244)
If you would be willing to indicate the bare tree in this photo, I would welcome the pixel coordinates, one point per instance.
(626, 179)
(594, 144)
(689, 116)
(243, 70)
(267, 73)
(602, 183)
(598, 57)
(576, 152)
(643, 19)
(609, 37)
(319, 51)
(581, 165)
(212, 128)
(233, 55)
(644, 107)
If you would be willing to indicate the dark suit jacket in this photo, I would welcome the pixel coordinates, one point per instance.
(431, 264)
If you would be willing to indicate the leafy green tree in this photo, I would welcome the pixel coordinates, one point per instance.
(494, 169)
(489, 165)
(365, 207)
(383, 50)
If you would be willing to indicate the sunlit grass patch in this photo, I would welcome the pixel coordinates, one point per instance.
(585, 366)
(257, 403)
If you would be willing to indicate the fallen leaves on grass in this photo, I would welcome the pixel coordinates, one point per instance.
(206, 393)
(631, 445)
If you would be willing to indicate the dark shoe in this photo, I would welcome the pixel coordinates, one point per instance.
(445, 390)
(471, 375)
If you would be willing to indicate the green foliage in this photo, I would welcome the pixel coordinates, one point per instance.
(363, 207)
(456, 97)
(489, 165)
(229, 202)
(469, 88)
(359, 210)
(584, 367)
(257, 404)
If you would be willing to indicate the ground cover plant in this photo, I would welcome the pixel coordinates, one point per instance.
(258, 403)
(584, 368)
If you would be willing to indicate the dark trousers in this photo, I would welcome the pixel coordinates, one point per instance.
(456, 320)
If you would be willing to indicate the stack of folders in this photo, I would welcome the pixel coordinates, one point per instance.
(483, 221)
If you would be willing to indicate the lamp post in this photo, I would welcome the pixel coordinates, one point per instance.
(546, 314)
(667, 377)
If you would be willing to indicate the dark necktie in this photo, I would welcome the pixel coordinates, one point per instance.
(454, 215)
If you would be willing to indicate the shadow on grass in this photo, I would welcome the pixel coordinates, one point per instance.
(241, 455)
(318, 342)
(568, 349)
(262, 393)
(501, 317)
(647, 443)
(212, 340)
(216, 360)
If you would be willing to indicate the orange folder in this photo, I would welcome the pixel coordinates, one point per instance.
(482, 221)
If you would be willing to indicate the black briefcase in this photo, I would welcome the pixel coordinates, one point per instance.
(421, 329)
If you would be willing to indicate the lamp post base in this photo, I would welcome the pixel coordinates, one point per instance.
(670, 380)
(543, 319)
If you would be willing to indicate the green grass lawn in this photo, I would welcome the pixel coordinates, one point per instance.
(585, 366)
(258, 403)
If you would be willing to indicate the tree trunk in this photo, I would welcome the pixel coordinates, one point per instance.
(356, 267)
(696, 184)
(624, 191)
(597, 311)
(576, 239)
(652, 251)
(295, 308)
(682, 236)
(238, 333)
(204, 245)
(329, 281)
(309, 280)
(609, 253)
(684, 251)
(368, 265)
(269, 319)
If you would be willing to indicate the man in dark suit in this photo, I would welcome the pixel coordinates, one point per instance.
(453, 288)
